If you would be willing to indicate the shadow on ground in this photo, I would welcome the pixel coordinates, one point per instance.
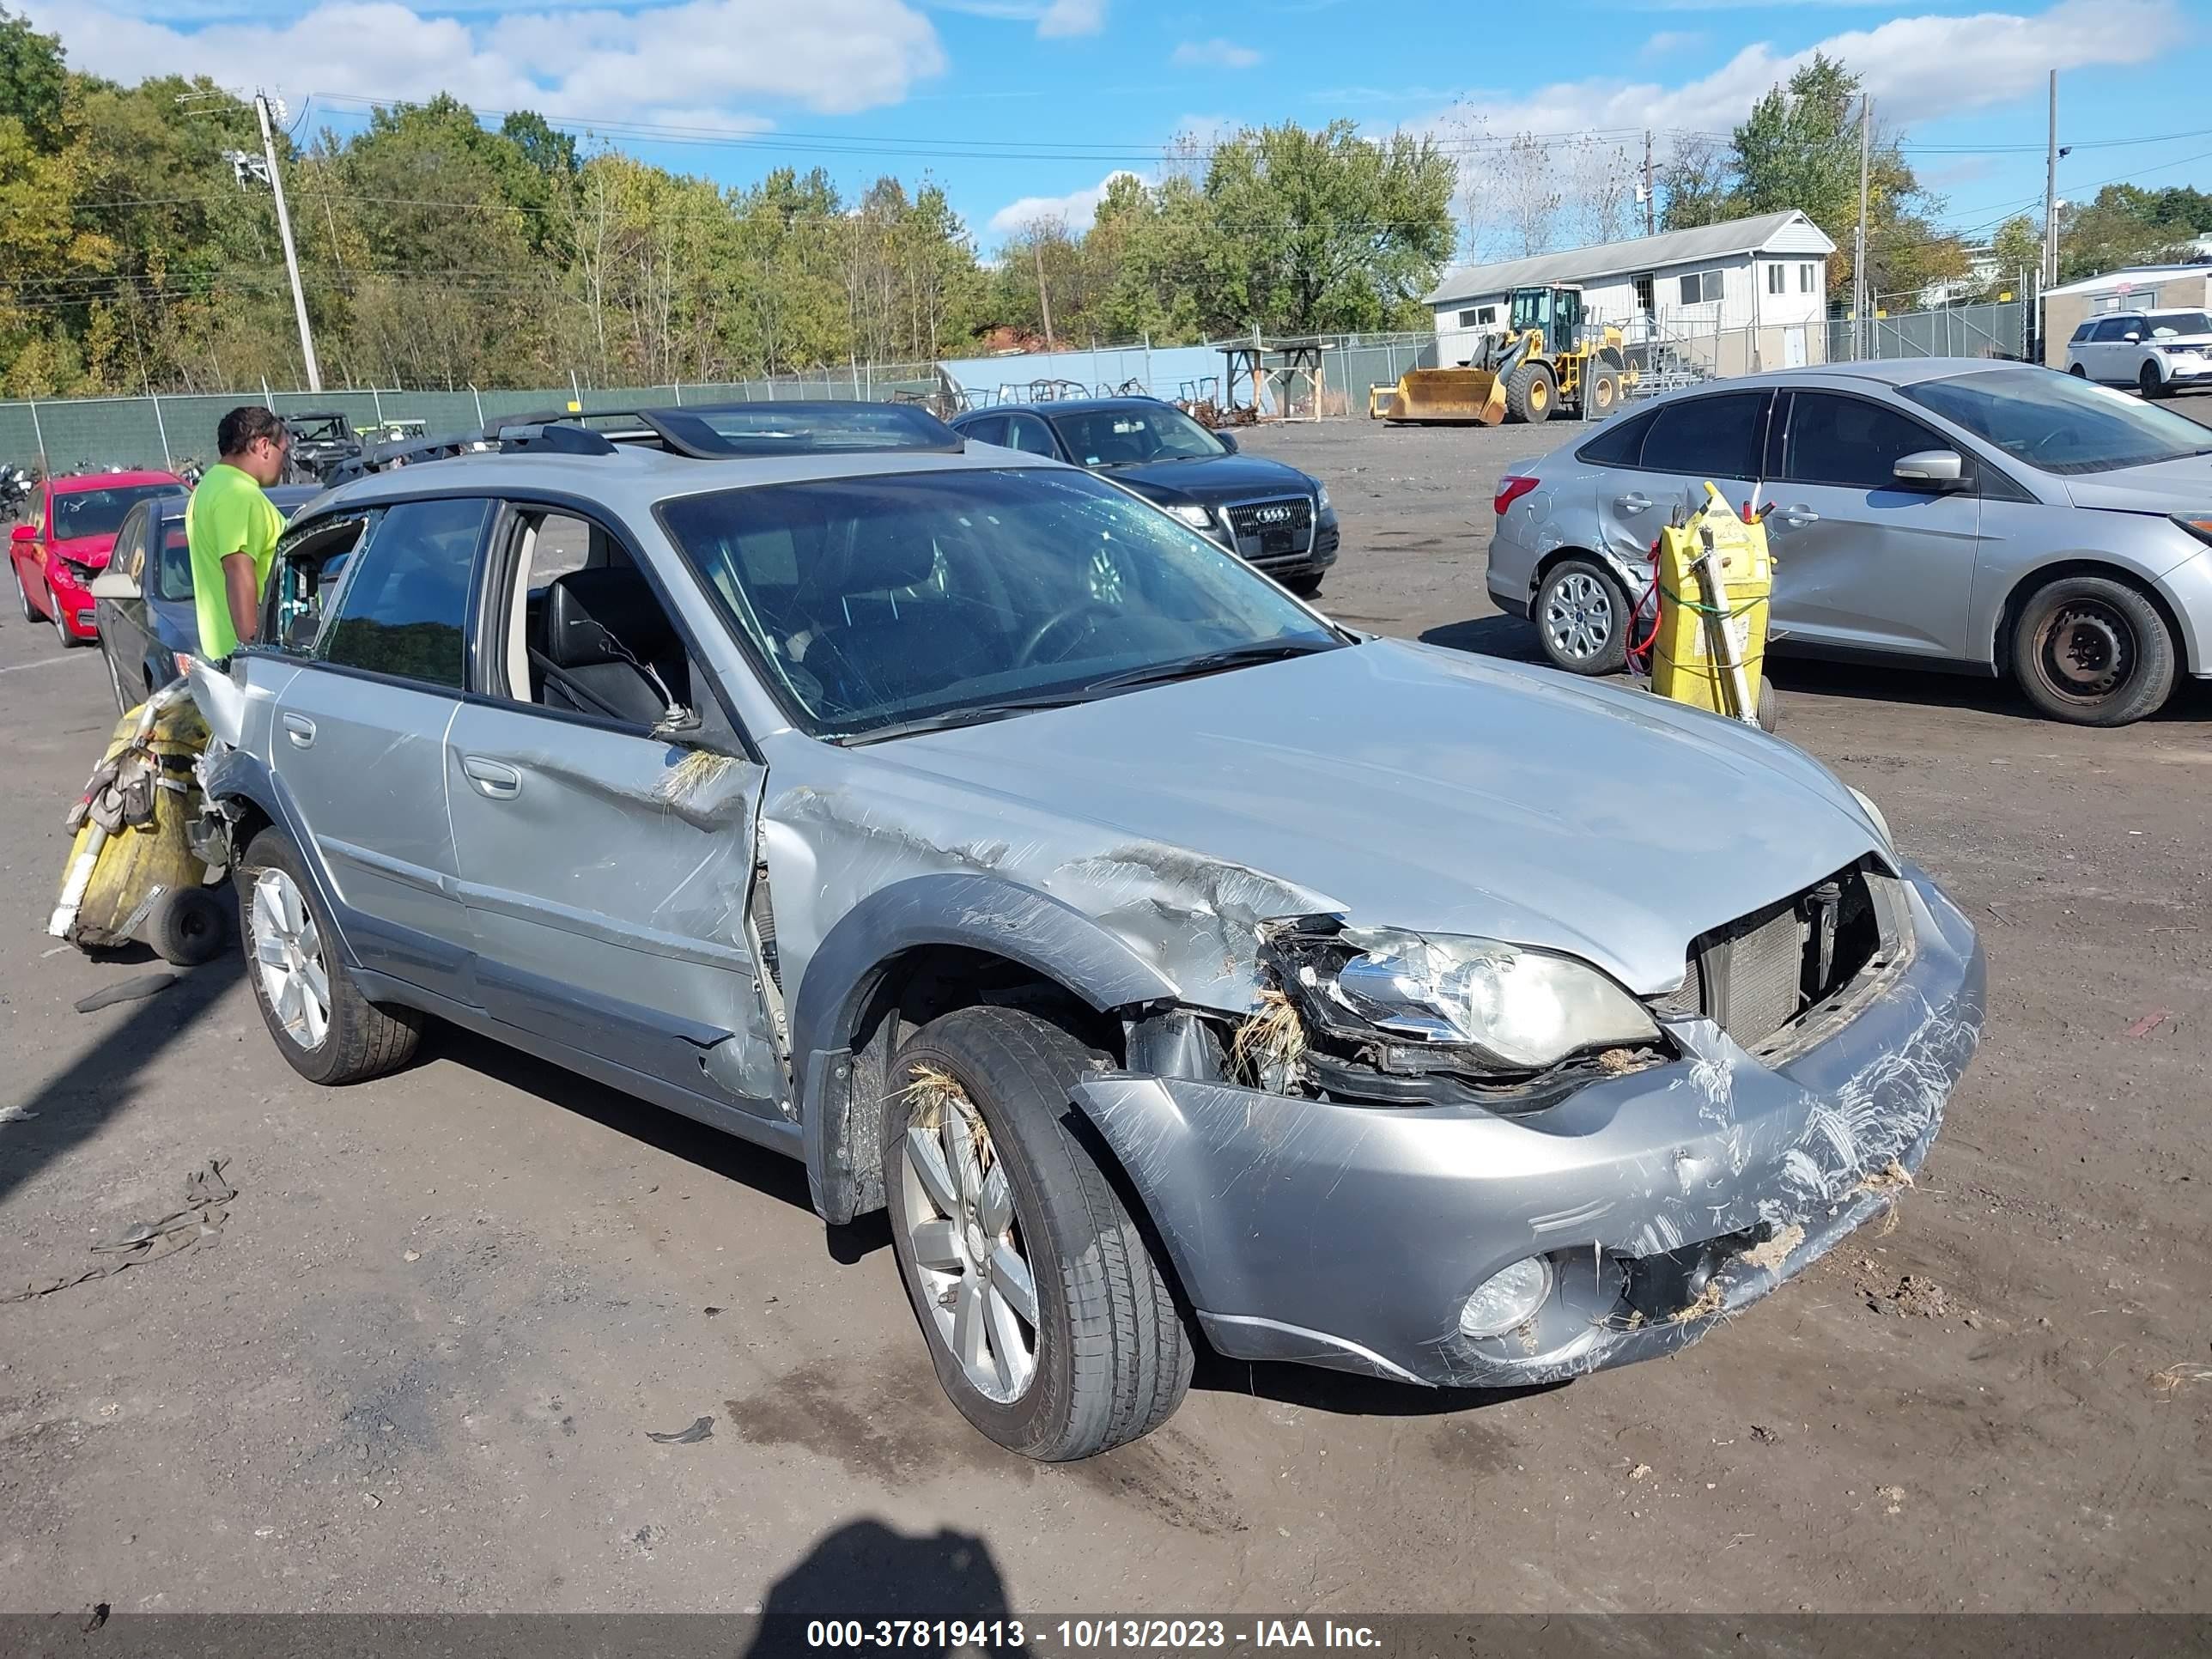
(867, 1571)
(122, 1059)
(1344, 1393)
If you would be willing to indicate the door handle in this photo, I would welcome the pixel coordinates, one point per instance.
(1633, 503)
(301, 729)
(494, 780)
(1799, 515)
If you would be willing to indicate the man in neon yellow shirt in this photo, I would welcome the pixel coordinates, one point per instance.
(231, 528)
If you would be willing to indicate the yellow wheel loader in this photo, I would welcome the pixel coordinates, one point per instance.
(1547, 362)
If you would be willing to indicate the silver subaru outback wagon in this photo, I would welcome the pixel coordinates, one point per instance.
(1173, 966)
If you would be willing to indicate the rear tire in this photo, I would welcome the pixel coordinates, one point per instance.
(186, 928)
(2093, 652)
(23, 594)
(2078, 372)
(352, 1039)
(1770, 706)
(1107, 1359)
(1582, 618)
(1531, 393)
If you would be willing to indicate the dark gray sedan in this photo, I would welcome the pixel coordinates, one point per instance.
(142, 602)
(1979, 517)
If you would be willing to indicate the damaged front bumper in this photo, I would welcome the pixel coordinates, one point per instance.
(1349, 1236)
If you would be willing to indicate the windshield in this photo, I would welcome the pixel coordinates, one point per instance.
(874, 603)
(2167, 325)
(2058, 422)
(1123, 437)
(101, 512)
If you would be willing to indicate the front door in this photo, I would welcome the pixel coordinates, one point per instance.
(359, 741)
(1861, 560)
(608, 872)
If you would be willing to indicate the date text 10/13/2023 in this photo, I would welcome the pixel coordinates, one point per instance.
(1086, 1635)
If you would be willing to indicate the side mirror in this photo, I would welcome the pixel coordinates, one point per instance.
(2131, 338)
(113, 584)
(1938, 469)
(24, 532)
(1227, 441)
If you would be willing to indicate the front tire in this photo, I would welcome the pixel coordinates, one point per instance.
(325, 1028)
(70, 641)
(1604, 394)
(1306, 586)
(2093, 652)
(1581, 617)
(2148, 384)
(1530, 394)
(1051, 1328)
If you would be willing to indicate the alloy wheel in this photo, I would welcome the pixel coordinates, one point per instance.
(1578, 617)
(287, 955)
(966, 1242)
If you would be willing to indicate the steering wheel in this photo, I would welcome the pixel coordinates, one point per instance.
(1086, 612)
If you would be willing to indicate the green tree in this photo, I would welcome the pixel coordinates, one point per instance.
(33, 84)
(2126, 225)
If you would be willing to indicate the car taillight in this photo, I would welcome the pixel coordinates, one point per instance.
(1511, 489)
(184, 661)
(2198, 525)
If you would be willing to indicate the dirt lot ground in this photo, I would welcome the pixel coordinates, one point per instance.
(420, 1371)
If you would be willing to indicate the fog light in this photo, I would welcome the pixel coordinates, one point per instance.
(1506, 1298)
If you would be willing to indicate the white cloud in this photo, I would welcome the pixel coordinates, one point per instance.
(1667, 42)
(1917, 68)
(1073, 209)
(1213, 54)
(699, 57)
(1063, 18)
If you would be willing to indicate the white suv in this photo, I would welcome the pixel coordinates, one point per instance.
(2157, 352)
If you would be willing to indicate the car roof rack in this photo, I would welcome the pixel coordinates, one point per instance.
(719, 432)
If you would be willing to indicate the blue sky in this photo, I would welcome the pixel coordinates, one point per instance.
(1025, 107)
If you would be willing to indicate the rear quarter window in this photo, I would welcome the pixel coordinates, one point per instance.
(1619, 442)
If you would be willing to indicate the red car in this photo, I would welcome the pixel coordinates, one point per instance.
(63, 541)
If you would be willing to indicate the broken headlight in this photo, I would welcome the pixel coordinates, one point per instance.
(1524, 1009)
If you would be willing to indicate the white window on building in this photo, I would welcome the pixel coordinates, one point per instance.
(1480, 316)
(1701, 288)
(1776, 278)
(1805, 283)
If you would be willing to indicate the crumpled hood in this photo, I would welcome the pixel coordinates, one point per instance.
(2179, 486)
(91, 550)
(1416, 787)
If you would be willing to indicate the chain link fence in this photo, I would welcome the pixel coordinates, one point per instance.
(79, 434)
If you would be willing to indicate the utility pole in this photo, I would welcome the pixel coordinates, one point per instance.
(2050, 191)
(1861, 288)
(1044, 299)
(291, 254)
(1651, 193)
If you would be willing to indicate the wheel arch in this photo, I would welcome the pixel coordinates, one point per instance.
(923, 947)
(2188, 649)
(1556, 556)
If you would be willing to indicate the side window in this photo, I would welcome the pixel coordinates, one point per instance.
(1618, 443)
(1701, 288)
(585, 632)
(1026, 433)
(2082, 333)
(130, 544)
(991, 430)
(169, 568)
(1834, 440)
(1777, 274)
(403, 608)
(2112, 328)
(1714, 437)
(1805, 278)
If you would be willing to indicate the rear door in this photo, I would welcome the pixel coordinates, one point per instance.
(2109, 357)
(607, 872)
(359, 737)
(1862, 561)
(1717, 436)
